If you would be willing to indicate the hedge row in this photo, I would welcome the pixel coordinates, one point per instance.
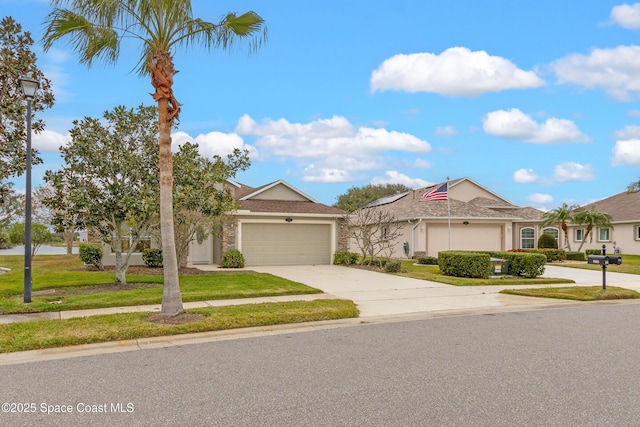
(478, 264)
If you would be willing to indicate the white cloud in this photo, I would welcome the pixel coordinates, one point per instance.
(540, 198)
(525, 176)
(50, 141)
(514, 124)
(616, 70)
(634, 113)
(395, 177)
(421, 164)
(445, 131)
(627, 16)
(626, 153)
(214, 143)
(628, 132)
(314, 174)
(570, 171)
(457, 72)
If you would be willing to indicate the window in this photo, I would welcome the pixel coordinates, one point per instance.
(638, 232)
(579, 236)
(527, 238)
(604, 235)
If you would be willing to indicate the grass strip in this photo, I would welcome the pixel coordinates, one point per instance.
(577, 293)
(114, 327)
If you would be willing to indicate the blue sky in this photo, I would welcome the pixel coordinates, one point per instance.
(535, 100)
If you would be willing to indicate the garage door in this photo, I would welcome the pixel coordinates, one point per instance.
(286, 244)
(464, 237)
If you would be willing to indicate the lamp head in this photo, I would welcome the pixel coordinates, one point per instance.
(29, 87)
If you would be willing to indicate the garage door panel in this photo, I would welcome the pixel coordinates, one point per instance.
(286, 244)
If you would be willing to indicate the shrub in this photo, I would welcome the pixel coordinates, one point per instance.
(593, 252)
(465, 264)
(553, 255)
(428, 260)
(91, 254)
(5, 242)
(152, 257)
(232, 259)
(576, 256)
(345, 258)
(547, 241)
(393, 266)
(526, 264)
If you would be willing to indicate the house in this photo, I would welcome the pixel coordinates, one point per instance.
(624, 236)
(471, 218)
(276, 224)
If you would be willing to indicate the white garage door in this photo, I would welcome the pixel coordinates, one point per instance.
(286, 244)
(464, 237)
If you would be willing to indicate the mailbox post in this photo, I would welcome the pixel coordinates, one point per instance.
(603, 261)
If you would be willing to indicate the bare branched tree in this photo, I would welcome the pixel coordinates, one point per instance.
(374, 231)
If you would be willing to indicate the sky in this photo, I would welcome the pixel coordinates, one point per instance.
(538, 101)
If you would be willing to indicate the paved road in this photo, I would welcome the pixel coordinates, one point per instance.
(554, 367)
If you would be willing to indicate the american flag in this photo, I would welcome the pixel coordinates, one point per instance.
(438, 193)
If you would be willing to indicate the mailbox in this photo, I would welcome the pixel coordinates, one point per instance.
(604, 260)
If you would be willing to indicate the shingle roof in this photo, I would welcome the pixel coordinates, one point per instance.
(622, 207)
(287, 206)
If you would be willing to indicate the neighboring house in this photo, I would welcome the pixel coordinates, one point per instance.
(624, 236)
(275, 224)
(472, 218)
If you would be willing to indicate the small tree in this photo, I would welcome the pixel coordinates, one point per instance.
(547, 241)
(40, 235)
(591, 218)
(110, 180)
(560, 216)
(11, 205)
(374, 232)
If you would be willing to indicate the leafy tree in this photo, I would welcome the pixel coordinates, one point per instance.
(109, 181)
(40, 235)
(200, 198)
(591, 218)
(358, 197)
(63, 220)
(17, 60)
(561, 216)
(95, 28)
(11, 205)
(634, 186)
(374, 232)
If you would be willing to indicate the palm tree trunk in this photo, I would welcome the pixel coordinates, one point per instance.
(162, 72)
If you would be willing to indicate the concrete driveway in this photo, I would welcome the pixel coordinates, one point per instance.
(378, 294)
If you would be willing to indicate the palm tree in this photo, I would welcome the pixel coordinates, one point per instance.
(591, 218)
(560, 216)
(95, 29)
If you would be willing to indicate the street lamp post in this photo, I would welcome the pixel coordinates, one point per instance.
(29, 87)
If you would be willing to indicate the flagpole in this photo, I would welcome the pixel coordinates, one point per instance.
(449, 212)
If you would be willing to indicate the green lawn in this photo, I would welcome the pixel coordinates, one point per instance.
(432, 273)
(578, 293)
(630, 264)
(115, 327)
(68, 287)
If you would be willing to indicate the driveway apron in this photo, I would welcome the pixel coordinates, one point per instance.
(379, 294)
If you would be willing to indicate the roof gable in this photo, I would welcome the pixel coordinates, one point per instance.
(278, 190)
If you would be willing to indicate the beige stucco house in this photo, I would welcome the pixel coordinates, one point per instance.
(624, 236)
(472, 218)
(276, 224)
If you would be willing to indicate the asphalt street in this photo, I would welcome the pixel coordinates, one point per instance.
(569, 366)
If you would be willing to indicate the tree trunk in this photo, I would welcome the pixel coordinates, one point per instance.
(68, 235)
(162, 71)
(565, 231)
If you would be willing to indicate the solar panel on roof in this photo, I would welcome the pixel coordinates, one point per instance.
(386, 200)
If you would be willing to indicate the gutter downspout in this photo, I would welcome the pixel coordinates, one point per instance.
(413, 236)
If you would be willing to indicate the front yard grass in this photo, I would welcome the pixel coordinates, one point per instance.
(578, 293)
(115, 327)
(432, 273)
(61, 283)
(630, 264)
